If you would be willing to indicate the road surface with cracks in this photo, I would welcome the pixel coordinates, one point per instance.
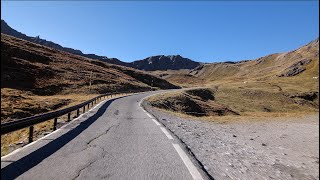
(116, 139)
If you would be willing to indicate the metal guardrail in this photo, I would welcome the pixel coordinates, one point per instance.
(33, 120)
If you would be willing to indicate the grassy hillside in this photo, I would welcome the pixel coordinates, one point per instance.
(277, 84)
(296, 68)
(32, 75)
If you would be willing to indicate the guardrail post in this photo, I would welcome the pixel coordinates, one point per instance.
(69, 116)
(84, 109)
(55, 121)
(30, 134)
(91, 103)
(95, 101)
(78, 112)
(88, 106)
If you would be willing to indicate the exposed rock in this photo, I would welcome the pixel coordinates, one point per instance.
(162, 62)
(296, 68)
(204, 94)
(309, 96)
(191, 105)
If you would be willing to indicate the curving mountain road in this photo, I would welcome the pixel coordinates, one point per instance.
(115, 140)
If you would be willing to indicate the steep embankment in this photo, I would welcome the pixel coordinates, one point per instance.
(34, 70)
(195, 102)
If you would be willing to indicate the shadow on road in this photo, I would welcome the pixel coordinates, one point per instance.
(22, 165)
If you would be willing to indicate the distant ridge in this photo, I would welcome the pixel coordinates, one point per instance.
(6, 29)
(161, 62)
(152, 63)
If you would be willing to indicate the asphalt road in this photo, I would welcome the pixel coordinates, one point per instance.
(115, 140)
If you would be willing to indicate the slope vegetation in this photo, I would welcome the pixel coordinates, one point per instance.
(29, 70)
(276, 84)
(298, 66)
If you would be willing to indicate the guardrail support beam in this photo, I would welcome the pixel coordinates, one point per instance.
(30, 134)
(84, 109)
(69, 116)
(55, 122)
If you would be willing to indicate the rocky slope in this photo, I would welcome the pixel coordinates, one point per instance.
(162, 62)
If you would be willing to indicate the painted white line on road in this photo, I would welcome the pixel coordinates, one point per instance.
(150, 115)
(166, 133)
(155, 121)
(192, 169)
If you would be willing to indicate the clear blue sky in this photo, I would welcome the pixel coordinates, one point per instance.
(207, 31)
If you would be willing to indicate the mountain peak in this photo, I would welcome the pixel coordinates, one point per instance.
(162, 62)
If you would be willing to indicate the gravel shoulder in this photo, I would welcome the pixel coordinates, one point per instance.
(277, 148)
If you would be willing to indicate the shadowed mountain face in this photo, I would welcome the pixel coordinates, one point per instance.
(165, 63)
(46, 71)
(149, 64)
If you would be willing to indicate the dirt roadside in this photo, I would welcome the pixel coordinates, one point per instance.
(273, 148)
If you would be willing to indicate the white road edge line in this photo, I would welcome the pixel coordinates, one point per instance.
(192, 169)
(149, 115)
(166, 133)
(54, 132)
(155, 121)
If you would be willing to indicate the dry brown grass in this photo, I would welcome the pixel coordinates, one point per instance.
(36, 79)
(17, 104)
(250, 100)
(254, 88)
(44, 71)
(265, 69)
